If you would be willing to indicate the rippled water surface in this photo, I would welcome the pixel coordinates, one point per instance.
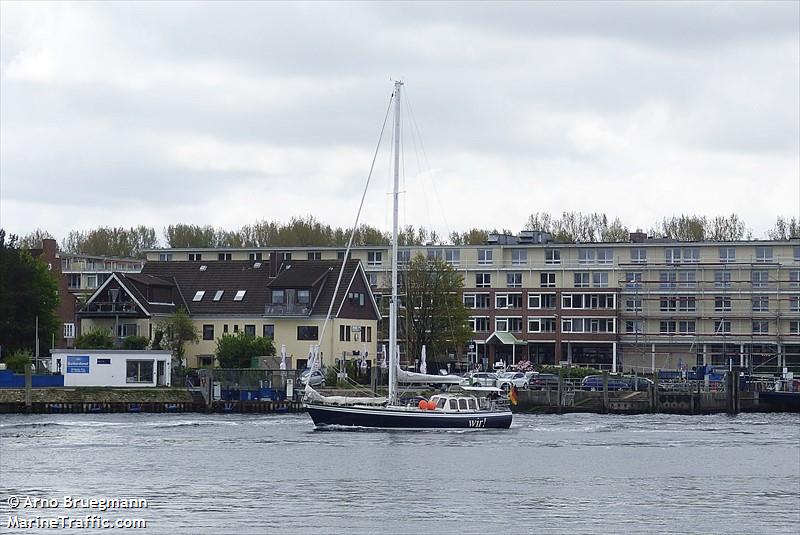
(548, 474)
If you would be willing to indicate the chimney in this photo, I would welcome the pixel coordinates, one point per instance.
(638, 236)
(274, 264)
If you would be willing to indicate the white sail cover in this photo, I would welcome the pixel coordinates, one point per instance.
(312, 396)
(404, 376)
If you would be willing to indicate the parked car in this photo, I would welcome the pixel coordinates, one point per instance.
(543, 381)
(641, 384)
(317, 378)
(480, 379)
(506, 379)
(595, 382)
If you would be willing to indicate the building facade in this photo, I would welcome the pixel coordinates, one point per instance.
(635, 305)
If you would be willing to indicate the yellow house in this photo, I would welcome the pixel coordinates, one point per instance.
(283, 300)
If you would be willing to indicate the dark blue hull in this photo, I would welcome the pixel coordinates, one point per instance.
(781, 401)
(403, 418)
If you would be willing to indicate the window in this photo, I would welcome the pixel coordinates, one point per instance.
(687, 304)
(794, 279)
(254, 257)
(581, 279)
(687, 279)
(691, 254)
(727, 254)
(91, 281)
(356, 298)
(225, 329)
(687, 327)
(479, 324)
(633, 279)
(722, 327)
(519, 257)
(340, 256)
(139, 371)
(501, 324)
(374, 258)
(285, 255)
(634, 326)
(434, 253)
(482, 301)
(672, 255)
(344, 333)
(534, 301)
(483, 280)
(372, 278)
(69, 330)
(218, 295)
(547, 280)
(208, 332)
(268, 331)
(760, 278)
(668, 327)
(600, 279)
(722, 279)
(452, 256)
(250, 330)
(469, 300)
(303, 297)
(104, 361)
(760, 327)
(794, 327)
(763, 254)
(667, 279)
(605, 256)
(544, 325)
(307, 332)
(668, 304)
(198, 295)
(515, 325)
(552, 256)
(314, 255)
(235, 328)
(278, 297)
(224, 256)
(722, 304)
(588, 325)
(514, 280)
(586, 256)
(639, 255)
(74, 281)
(403, 256)
(633, 304)
(760, 303)
(794, 304)
(501, 301)
(796, 253)
(165, 257)
(484, 257)
(239, 295)
(127, 329)
(366, 333)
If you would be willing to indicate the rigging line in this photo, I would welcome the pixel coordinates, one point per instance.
(415, 126)
(355, 223)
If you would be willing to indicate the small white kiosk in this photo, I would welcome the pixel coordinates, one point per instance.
(112, 367)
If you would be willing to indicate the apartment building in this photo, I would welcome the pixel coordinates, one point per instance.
(635, 305)
(86, 273)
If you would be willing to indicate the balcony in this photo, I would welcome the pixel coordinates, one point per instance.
(105, 308)
(283, 309)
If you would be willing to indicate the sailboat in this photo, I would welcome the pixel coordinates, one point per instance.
(441, 411)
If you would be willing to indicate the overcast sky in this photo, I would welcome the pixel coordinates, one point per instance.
(120, 114)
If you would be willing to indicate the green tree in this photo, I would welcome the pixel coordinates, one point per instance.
(135, 342)
(108, 241)
(27, 289)
(434, 314)
(181, 235)
(178, 330)
(17, 360)
(95, 339)
(235, 351)
(33, 240)
(784, 229)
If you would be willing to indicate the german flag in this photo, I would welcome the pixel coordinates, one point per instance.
(513, 396)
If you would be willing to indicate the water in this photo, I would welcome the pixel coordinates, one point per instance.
(575, 473)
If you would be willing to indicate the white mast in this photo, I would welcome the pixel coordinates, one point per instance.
(393, 360)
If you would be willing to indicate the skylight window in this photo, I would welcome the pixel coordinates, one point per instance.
(203, 267)
(218, 295)
(257, 265)
(198, 296)
(239, 295)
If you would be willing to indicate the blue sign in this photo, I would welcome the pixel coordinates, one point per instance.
(77, 363)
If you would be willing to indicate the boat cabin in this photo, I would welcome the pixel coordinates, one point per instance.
(455, 403)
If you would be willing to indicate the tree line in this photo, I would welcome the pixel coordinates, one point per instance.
(570, 227)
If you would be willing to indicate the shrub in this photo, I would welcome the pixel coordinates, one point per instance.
(95, 339)
(17, 360)
(135, 342)
(235, 351)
